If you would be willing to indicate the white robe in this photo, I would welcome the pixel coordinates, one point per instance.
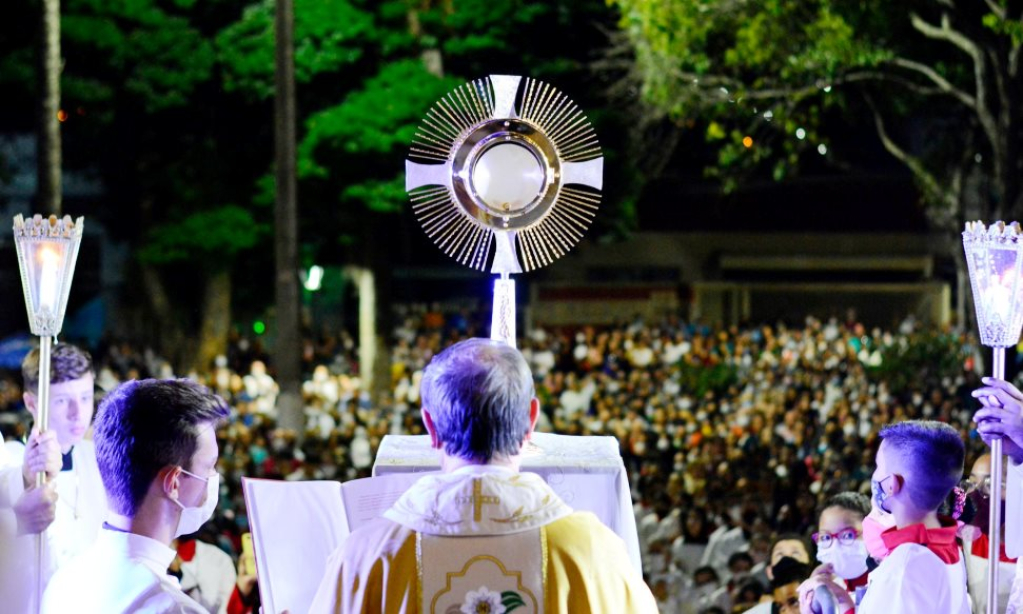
(1014, 510)
(976, 577)
(209, 577)
(1014, 532)
(913, 580)
(81, 508)
(121, 573)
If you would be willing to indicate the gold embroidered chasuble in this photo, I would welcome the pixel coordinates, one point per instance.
(482, 540)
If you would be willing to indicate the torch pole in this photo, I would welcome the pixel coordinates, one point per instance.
(995, 526)
(42, 424)
(43, 394)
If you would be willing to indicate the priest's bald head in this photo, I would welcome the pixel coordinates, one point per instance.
(478, 403)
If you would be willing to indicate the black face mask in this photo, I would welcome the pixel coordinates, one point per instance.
(982, 517)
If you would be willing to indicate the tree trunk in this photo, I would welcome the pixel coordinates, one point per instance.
(216, 319)
(288, 350)
(168, 336)
(48, 148)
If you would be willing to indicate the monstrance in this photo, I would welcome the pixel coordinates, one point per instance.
(508, 172)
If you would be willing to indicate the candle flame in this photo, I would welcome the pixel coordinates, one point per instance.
(48, 256)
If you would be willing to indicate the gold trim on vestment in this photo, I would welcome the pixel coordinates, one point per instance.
(543, 568)
(465, 570)
(419, 568)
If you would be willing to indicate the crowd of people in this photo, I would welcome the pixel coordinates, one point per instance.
(731, 436)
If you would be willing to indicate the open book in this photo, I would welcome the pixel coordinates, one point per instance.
(296, 526)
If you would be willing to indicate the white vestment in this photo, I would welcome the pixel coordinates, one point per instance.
(913, 580)
(121, 573)
(1014, 510)
(482, 538)
(1014, 532)
(81, 508)
(976, 577)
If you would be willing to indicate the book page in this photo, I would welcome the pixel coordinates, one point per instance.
(295, 526)
(369, 498)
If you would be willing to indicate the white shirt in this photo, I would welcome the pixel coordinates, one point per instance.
(722, 544)
(122, 572)
(81, 508)
(209, 577)
(913, 580)
(764, 607)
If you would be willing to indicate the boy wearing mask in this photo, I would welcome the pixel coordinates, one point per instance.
(919, 462)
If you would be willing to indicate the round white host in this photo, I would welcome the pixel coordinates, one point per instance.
(507, 177)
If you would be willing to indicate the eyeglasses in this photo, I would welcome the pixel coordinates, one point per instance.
(983, 485)
(844, 537)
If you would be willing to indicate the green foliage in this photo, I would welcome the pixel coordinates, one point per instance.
(749, 69)
(209, 237)
(700, 379)
(330, 35)
(1012, 28)
(924, 360)
(377, 119)
(160, 58)
(379, 196)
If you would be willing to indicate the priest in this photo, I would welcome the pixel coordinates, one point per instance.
(480, 536)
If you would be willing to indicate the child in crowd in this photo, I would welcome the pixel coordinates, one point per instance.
(787, 575)
(918, 464)
(786, 550)
(840, 547)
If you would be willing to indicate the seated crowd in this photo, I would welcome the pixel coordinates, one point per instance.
(750, 449)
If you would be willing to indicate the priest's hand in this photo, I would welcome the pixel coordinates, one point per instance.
(36, 509)
(1001, 416)
(42, 454)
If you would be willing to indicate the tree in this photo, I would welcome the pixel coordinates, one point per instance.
(48, 158)
(288, 350)
(149, 121)
(938, 80)
(170, 104)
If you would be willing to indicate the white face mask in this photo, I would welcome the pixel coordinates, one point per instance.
(849, 561)
(193, 517)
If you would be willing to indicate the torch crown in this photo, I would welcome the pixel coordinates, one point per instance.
(994, 254)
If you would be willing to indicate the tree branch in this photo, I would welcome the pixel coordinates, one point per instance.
(932, 187)
(946, 33)
(994, 8)
(980, 107)
(879, 76)
(943, 84)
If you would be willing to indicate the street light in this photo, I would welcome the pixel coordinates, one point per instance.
(995, 258)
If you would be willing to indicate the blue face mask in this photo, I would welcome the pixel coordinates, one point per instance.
(879, 494)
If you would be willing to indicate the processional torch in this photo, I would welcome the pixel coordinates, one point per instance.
(505, 171)
(47, 251)
(995, 258)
